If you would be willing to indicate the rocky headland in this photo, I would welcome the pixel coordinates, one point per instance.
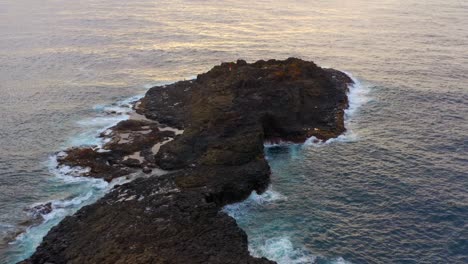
(208, 134)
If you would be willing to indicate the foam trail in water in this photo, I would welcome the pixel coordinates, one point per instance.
(281, 250)
(358, 95)
(107, 116)
(81, 190)
(93, 127)
(29, 240)
(102, 121)
(120, 107)
(279, 143)
(237, 210)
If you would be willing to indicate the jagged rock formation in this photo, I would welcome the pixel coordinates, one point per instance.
(131, 145)
(227, 114)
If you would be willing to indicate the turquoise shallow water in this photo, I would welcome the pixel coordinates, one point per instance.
(393, 191)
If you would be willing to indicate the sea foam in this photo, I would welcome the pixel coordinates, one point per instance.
(281, 248)
(81, 190)
(240, 209)
(89, 192)
(358, 95)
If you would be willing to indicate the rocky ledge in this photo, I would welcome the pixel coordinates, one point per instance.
(226, 116)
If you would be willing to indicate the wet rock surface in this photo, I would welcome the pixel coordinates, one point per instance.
(227, 114)
(129, 147)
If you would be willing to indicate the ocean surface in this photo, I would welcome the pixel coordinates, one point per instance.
(393, 189)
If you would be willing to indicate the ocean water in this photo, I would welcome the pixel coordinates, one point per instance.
(392, 190)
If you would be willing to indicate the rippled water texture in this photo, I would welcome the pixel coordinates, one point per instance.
(396, 192)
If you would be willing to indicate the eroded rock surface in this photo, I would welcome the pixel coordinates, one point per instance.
(227, 114)
(130, 145)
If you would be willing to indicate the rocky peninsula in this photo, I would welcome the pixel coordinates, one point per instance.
(201, 144)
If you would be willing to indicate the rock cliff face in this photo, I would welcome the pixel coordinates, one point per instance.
(227, 114)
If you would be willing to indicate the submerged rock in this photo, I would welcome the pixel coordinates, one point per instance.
(227, 114)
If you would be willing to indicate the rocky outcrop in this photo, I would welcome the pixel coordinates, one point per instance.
(227, 114)
(130, 146)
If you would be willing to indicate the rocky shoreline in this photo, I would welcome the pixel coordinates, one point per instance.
(201, 144)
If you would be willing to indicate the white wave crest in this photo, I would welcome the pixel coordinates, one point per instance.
(281, 250)
(237, 210)
(88, 190)
(107, 116)
(93, 127)
(102, 121)
(340, 260)
(124, 106)
(280, 143)
(69, 174)
(349, 136)
(72, 202)
(268, 196)
(358, 96)
(81, 190)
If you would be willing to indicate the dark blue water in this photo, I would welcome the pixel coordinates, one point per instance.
(393, 190)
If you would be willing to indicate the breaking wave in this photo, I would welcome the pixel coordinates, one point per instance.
(282, 248)
(80, 191)
(358, 96)
(255, 200)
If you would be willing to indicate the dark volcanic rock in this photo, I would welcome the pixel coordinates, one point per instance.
(36, 214)
(234, 108)
(42, 209)
(147, 221)
(169, 104)
(129, 148)
(227, 114)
